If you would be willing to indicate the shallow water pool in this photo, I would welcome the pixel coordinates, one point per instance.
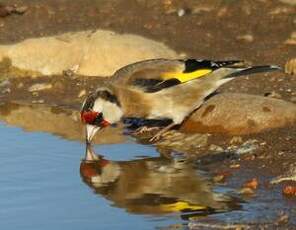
(45, 185)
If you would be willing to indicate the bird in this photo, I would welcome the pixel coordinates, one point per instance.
(159, 89)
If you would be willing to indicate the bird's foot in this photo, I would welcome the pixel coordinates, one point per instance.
(144, 129)
(159, 134)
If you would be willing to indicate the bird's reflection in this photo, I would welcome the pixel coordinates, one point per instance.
(153, 186)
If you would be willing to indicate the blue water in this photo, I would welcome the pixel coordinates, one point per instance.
(41, 186)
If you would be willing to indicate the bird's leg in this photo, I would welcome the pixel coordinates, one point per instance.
(158, 135)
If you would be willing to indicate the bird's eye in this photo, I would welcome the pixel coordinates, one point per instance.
(91, 117)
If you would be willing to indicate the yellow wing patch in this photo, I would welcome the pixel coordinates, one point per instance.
(184, 77)
(181, 205)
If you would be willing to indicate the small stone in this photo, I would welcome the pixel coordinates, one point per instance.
(281, 10)
(222, 12)
(246, 191)
(181, 12)
(283, 218)
(252, 184)
(5, 91)
(247, 147)
(216, 148)
(273, 94)
(4, 83)
(201, 9)
(289, 190)
(82, 93)
(40, 101)
(20, 85)
(39, 87)
(234, 166)
(281, 153)
(236, 140)
(35, 94)
(220, 177)
(20, 9)
(245, 38)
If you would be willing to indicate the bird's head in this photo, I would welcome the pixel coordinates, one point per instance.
(99, 110)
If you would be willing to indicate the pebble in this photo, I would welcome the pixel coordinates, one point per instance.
(20, 85)
(236, 140)
(40, 101)
(35, 94)
(181, 12)
(289, 190)
(201, 9)
(7, 90)
(247, 147)
(246, 37)
(20, 9)
(4, 83)
(39, 87)
(234, 166)
(216, 148)
(273, 94)
(252, 184)
(246, 191)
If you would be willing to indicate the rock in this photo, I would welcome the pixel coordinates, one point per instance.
(54, 120)
(289, 2)
(238, 114)
(39, 87)
(290, 66)
(91, 53)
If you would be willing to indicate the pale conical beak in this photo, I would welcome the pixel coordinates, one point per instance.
(91, 130)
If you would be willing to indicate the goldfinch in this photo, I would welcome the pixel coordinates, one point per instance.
(159, 89)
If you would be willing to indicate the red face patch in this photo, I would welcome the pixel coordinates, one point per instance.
(88, 117)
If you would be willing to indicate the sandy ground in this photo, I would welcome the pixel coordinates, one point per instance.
(257, 31)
